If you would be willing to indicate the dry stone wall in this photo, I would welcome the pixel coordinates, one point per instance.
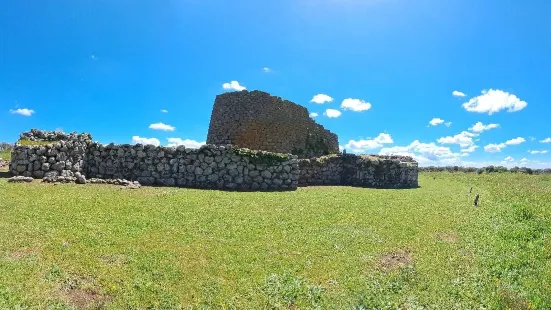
(257, 120)
(62, 158)
(211, 166)
(361, 171)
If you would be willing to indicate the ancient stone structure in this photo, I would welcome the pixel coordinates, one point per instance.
(259, 121)
(77, 158)
(359, 170)
(217, 167)
(211, 166)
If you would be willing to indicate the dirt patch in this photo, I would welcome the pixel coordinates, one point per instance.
(81, 293)
(21, 253)
(449, 238)
(115, 259)
(396, 259)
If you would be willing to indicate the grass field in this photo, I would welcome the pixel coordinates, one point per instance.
(5, 155)
(326, 248)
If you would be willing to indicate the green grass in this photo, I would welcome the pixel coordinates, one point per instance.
(5, 155)
(325, 248)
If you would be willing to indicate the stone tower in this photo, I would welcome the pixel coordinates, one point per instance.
(259, 121)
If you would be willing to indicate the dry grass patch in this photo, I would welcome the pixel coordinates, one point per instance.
(447, 237)
(82, 293)
(396, 259)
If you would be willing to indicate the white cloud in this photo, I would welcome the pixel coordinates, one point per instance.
(547, 140)
(492, 101)
(532, 139)
(524, 159)
(494, 148)
(369, 144)
(436, 121)
(457, 93)
(331, 113)
(479, 127)
(266, 69)
(161, 126)
(314, 114)
(469, 149)
(93, 57)
(509, 158)
(538, 152)
(515, 141)
(448, 124)
(145, 141)
(464, 139)
(233, 85)
(321, 99)
(186, 142)
(356, 105)
(24, 112)
(426, 153)
(164, 111)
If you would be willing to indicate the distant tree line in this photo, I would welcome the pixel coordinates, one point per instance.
(488, 169)
(4, 146)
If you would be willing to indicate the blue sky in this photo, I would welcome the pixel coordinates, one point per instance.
(382, 69)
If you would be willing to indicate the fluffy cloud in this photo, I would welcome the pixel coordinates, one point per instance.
(469, 149)
(538, 152)
(161, 126)
(314, 114)
(356, 105)
(266, 69)
(186, 142)
(426, 153)
(547, 140)
(24, 112)
(464, 139)
(524, 159)
(369, 144)
(448, 124)
(145, 141)
(436, 121)
(492, 101)
(515, 141)
(331, 113)
(496, 148)
(164, 111)
(479, 127)
(233, 85)
(457, 93)
(509, 158)
(321, 99)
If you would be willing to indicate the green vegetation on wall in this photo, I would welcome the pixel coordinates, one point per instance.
(260, 157)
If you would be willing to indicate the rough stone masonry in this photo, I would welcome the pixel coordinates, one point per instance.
(259, 121)
(306, 154)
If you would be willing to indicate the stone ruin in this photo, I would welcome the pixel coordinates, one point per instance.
(289, 150)
(259, 121)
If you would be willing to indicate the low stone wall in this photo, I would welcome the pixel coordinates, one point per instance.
(63, 158)
(359, 170)
(211, 166)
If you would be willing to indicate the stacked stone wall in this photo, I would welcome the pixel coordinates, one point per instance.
(359, 170)
(62, 158)
(257, 120)
(211, 166)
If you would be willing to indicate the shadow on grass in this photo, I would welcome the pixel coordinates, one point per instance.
(4, 174)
